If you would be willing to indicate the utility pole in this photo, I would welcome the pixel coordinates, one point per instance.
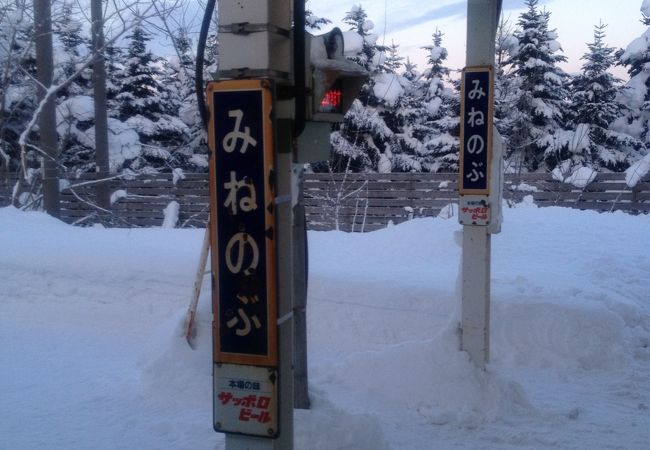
(47, 116)
(269, 113)
(480, 180)
(253, 292)
(101, 119)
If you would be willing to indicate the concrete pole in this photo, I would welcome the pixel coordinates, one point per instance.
(47, 117)
(99, 90)
(476, 256)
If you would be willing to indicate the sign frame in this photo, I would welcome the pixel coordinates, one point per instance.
(487, 130)
(219, 91)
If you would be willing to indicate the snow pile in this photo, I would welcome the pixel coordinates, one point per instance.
(636, 48)
(93, 355)
(80, 108)
(123, 143)
(579, 177)
(387, 87)
(118, 195)
(170, 214)
(637, 171)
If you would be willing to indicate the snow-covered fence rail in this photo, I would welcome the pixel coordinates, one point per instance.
(149, 200)
(145, 200)
(366, 202)
(607, 192)
(348, 202)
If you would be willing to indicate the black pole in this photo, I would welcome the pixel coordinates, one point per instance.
(200, 62)
(299, 66)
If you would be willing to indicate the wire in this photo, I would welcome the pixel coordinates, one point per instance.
(200, 61)
(299, 62)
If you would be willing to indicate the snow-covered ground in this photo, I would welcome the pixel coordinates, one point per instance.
(91, 355)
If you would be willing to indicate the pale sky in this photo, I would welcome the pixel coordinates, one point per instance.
(411, 24)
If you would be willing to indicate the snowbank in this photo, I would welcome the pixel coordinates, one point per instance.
(93, 357)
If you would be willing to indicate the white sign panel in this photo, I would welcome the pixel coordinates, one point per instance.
(474, 210)
(245, 400)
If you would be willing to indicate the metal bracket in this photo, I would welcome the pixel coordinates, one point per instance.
(245, 72)
(248, 28)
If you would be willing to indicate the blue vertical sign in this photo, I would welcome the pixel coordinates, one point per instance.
(477, 101)
(242, 220)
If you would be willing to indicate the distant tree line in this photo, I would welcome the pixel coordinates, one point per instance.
(405, 120)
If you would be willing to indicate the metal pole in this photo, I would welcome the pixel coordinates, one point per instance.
(47, 117)
(285, 299)
(476, 256)
(101, 118)
(301, 380)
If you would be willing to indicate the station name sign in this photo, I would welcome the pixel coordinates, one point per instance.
(242, 219)
(477, 100)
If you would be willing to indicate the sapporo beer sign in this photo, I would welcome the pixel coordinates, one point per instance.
(242, 220)
(476, 130)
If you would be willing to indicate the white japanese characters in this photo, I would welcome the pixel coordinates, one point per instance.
(476, 130)
(230, 141)
(248, 202)
(242, 253)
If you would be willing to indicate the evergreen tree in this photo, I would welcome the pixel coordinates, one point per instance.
(541, 104)
(441, 114)
(394, 60)
(506, 84)
(594, 108)
(113, 60)
(75, 114)
(406, 145)
(146, 105)
(139, 91)
(193, 155)
(68, 31)
(399, 115)
(636, 94)
(313, 22)
(358, 21)
(18, 99)
(362, 142)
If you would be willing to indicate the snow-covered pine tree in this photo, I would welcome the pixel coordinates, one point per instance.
(400, 112)
(142, 105)
(406, 145)
(542, 95)
(394, 61)
(17, 91)
(441, 113)
(358, 21)
(194, 155)
(139, 90)
(636, 93)
(593, 109)
(75, 113)
(67, 31)
(313, 22)
(362, 141)
(506, 84)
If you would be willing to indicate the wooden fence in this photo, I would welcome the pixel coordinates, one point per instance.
(136, 202)
(348, 202)
(366, 202)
